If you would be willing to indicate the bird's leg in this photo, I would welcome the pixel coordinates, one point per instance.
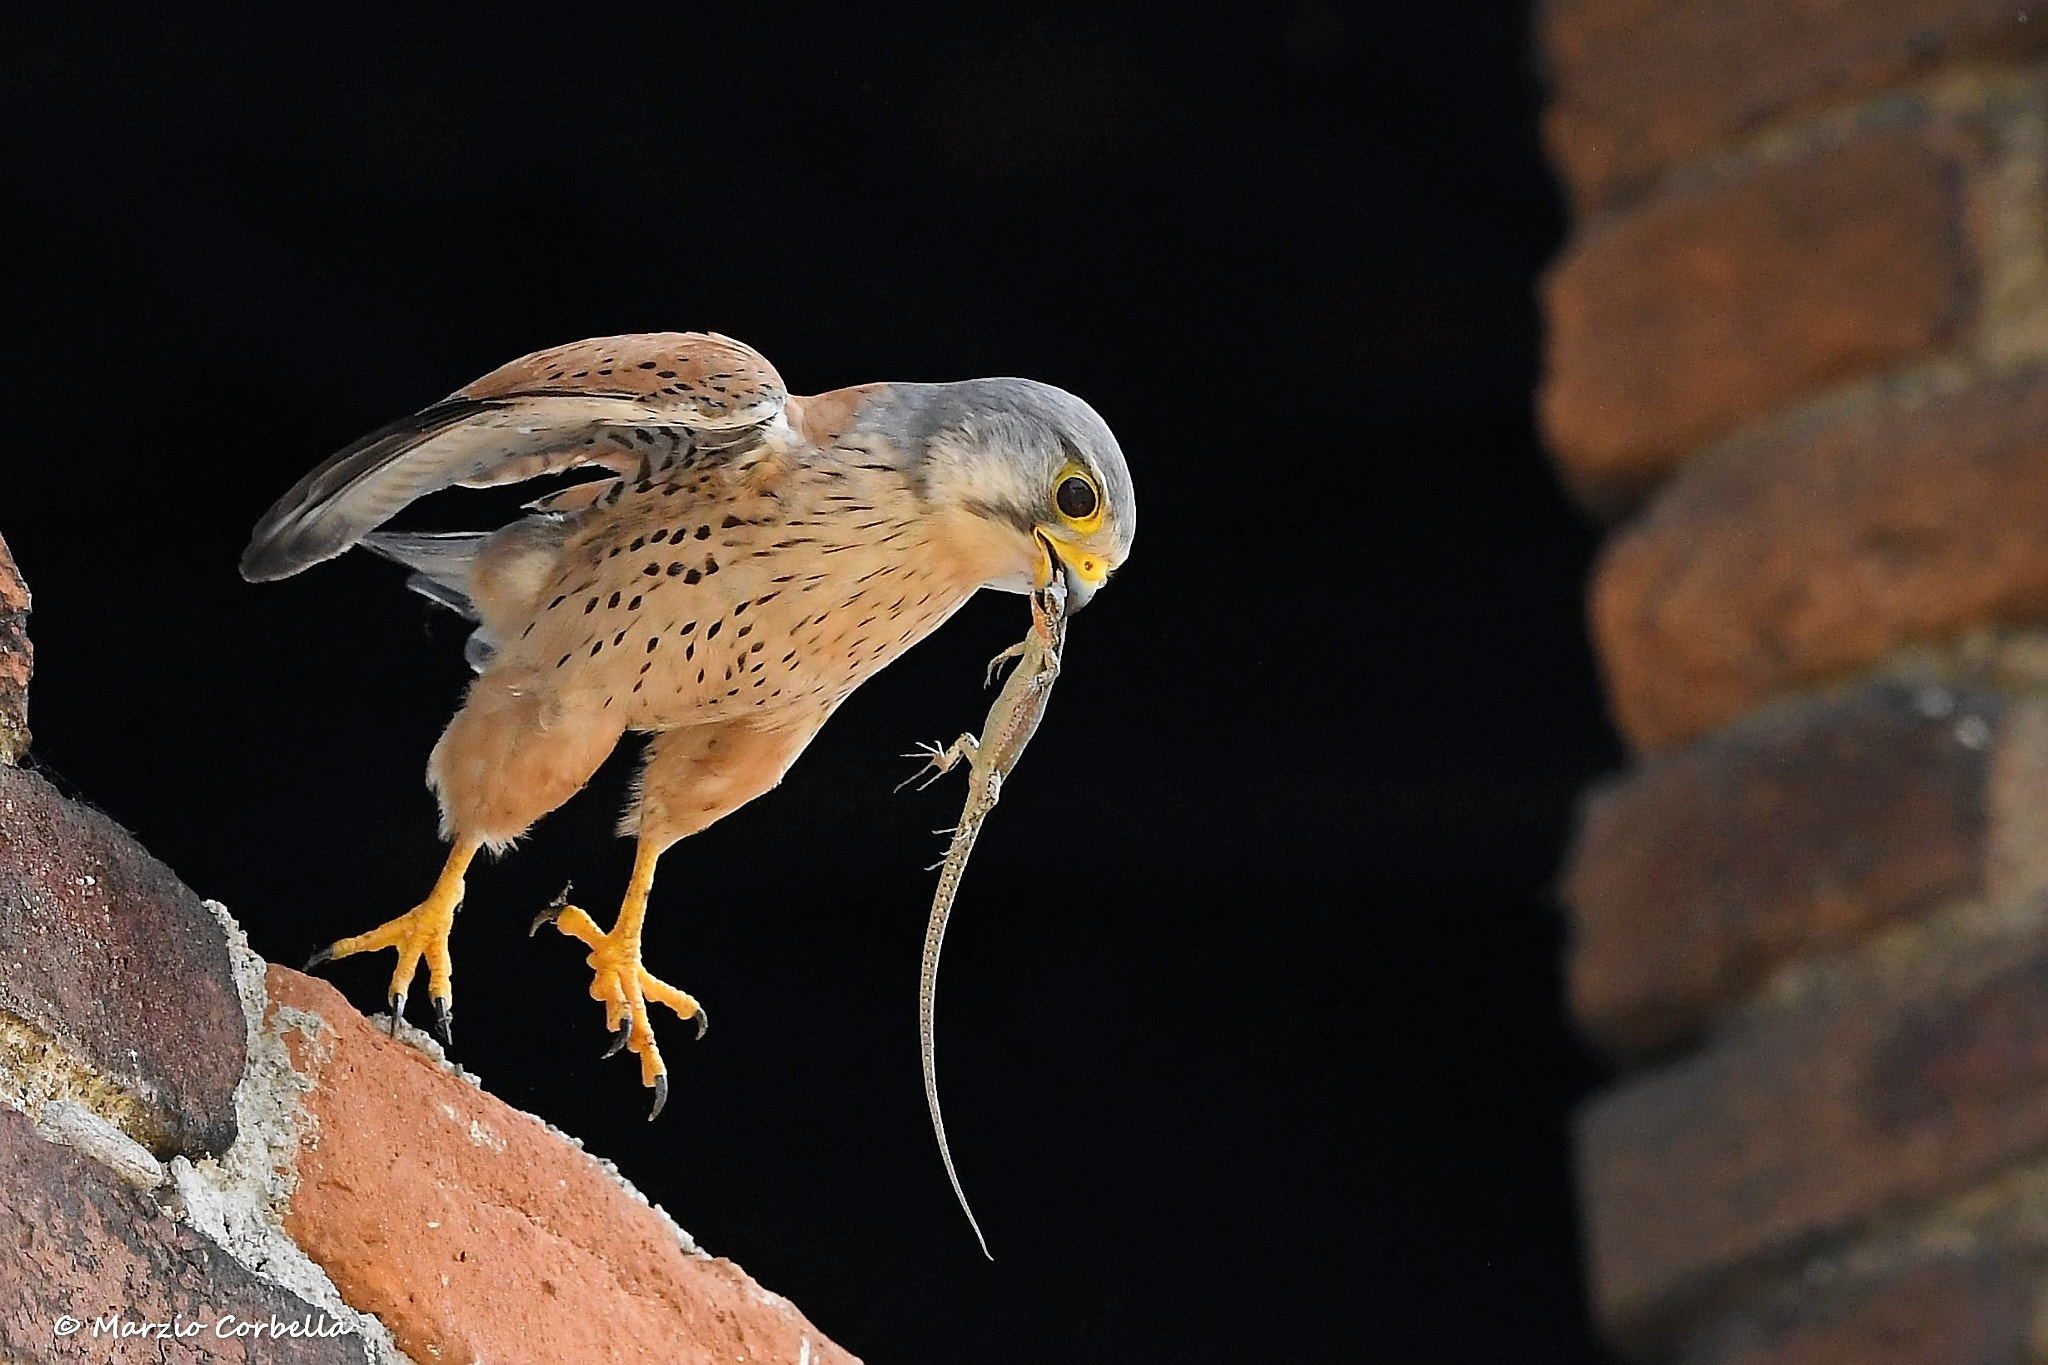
(420, 932)
(619, 981)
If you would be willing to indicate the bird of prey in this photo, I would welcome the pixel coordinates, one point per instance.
(742, 561)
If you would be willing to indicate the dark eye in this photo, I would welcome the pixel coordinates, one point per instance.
(1076, 498)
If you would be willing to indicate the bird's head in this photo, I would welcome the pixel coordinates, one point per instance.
(1036, 468)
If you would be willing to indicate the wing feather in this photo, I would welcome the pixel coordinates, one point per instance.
(609, 401)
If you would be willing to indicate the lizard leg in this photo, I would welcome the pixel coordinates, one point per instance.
(421, 932)
(995, 665)
(940, 759)
(619, 981)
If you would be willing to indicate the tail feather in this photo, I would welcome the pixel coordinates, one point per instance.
(440, 562)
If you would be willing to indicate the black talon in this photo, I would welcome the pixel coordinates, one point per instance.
(319, 959)
(660, 1096)
(703, 1022)
(553, 912)
(444, 1020)
(619, 1040)
(397, 1003)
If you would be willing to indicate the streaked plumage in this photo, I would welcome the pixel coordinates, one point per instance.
(742, 561)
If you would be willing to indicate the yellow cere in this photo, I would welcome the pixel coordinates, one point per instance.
(1090, 569)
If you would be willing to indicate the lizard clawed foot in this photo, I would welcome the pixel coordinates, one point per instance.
(939, 759)
(931, 770)
(624, 987)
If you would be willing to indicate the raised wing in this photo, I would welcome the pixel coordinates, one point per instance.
(609, 402)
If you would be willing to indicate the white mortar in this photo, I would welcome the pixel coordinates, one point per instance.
(239, 1200)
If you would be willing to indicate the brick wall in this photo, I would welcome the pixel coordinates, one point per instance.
(1798, 355)
(189, 1136)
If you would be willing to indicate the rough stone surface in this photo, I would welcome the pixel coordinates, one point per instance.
(1703, 310)
(1821, 545)
(475, 1233)
(239, 1199)
(81, 1243)
(1801, 827)
(116, 974)
(1915, 1072)
(1963, 1310)
(1642, 85)
(17, 659)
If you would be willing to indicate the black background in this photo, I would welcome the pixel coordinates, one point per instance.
(1251, 1031)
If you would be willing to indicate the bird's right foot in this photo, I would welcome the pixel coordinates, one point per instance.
(419, 934)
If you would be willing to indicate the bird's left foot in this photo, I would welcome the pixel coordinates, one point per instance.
(624, 987)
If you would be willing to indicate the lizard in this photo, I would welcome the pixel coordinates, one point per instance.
(1012, 720)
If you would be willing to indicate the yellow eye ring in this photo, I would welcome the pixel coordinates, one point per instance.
(1078, 499)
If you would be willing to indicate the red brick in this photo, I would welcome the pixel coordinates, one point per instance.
(1704, 310)
(1820, 546)
(17, 660)
(1798, 828)
(1917, 1076)
(474, 1233)
(1641, 85)
(80, 1243)
(115, 959)
(1958, 1311)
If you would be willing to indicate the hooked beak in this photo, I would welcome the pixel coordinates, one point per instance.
(1082, 572)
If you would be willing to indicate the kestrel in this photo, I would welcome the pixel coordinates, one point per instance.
(748, 560)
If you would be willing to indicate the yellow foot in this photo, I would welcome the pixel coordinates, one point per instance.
(421, 932)
(624, 987)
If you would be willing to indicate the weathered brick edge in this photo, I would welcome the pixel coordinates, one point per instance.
(84, 1243)
(374, 1187)
(17, 659)
(191, 1137)
(1800, 337)
(1954, 1307)
(117, 990)
(472, 1230)
(1713, 307)
(1882, 1082)
(1642, 89)
(1803, 827)
(1820, 544)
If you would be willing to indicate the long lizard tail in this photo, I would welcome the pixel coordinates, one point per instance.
(927, 992)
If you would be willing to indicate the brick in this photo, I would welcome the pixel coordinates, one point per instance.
(475, 1233)
(80, 1243)
(1707, 309)
(1642, 85)
(17, 660)
(113, 961)
(1798, 828)
(1920, 1073)
(1819, 546)
(1963, 1310)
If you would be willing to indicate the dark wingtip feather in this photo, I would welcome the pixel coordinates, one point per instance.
(296, 532)
(259, 566)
